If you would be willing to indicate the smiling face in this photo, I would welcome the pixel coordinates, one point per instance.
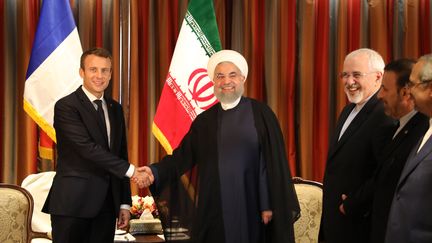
(228, 82)
(96, 74)
(359, 81)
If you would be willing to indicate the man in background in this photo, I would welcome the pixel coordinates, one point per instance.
(410, 218)
(398, 104)
(353, 150)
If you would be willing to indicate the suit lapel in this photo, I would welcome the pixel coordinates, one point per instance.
(395, 142)
(88, 105)
(415, 158)
(343, 117)
(355, 124)
(400, 137)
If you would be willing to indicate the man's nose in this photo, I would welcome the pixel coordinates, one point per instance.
(350, 80)
(226, 80)
(99, 73)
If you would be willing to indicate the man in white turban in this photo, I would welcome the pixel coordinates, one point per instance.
(244, 183)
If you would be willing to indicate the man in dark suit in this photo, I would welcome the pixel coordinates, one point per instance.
(399, 105)
(353, 150)
(91, 187)
(410, 218)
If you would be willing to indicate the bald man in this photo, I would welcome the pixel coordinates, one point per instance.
(244, 183)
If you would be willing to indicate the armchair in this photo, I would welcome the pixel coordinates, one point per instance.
(16, 208)
(309, 194)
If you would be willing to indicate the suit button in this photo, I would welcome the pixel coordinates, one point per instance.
(397, 197)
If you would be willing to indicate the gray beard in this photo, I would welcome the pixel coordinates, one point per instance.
(229, 98)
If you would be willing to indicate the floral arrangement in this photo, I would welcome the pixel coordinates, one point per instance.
(143, 205)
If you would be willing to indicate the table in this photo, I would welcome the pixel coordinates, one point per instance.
(148, 238)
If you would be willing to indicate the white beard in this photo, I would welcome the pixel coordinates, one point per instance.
(356, 98)
(358, 95)
(228, 98)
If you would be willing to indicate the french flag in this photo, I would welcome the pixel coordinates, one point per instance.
(53, 70)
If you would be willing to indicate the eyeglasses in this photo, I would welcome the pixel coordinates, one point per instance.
(356, 75)
(412, 84)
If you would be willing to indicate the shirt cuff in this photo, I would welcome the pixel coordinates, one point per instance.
(125, 206)
(130, 171)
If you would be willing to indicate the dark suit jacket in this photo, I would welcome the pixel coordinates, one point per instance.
(351, 162)
(86, 166)
(410, 218)
(389, 170)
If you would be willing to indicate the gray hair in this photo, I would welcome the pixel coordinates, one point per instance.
(426, 71)
(376, 62)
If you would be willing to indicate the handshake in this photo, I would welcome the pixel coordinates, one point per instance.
(143, 177)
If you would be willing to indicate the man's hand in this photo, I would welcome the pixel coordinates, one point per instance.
(341, 207)
(143, 176)
(123, 218)
(266, 216)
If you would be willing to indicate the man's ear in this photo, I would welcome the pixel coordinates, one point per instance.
(405, 92)
(379, 77)
(429, 89)
(81, 72)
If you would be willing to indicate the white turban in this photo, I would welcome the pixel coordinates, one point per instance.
(227, 56)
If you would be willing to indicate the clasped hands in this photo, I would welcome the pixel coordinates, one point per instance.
(143, 177)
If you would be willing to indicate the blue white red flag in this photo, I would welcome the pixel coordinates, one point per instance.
(54, 63)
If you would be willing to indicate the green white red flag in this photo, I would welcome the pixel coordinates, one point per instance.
(188, 90)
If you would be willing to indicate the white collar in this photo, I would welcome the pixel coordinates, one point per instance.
(404, 120)
(91, 96)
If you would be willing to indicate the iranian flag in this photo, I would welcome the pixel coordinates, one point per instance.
(188, 90)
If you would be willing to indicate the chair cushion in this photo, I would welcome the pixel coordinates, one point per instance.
(14, 211)
(306, 228)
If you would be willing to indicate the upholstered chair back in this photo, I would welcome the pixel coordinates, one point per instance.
(16, 208)
(309, 194)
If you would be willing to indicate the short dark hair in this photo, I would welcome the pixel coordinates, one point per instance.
(402, 67)
(97, 51)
